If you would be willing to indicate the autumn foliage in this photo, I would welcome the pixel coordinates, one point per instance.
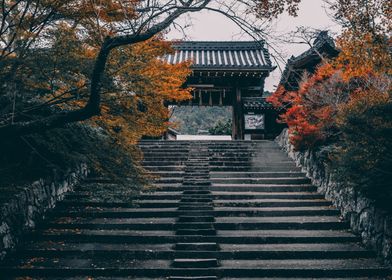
(46, 68)
(136, 106)
(312, 112)
(345, 106)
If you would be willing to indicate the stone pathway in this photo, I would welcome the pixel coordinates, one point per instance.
(222, 210)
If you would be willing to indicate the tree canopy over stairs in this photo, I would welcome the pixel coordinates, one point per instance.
(221, 210)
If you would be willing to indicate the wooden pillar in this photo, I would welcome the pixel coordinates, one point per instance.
(238, 130)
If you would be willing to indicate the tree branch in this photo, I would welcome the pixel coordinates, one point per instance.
(92, 107)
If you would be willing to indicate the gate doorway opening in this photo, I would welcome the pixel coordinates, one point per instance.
(202, 122)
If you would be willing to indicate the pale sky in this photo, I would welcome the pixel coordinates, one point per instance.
(207, 26)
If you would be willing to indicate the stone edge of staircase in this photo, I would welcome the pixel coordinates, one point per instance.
(373, 225)
(21, 213)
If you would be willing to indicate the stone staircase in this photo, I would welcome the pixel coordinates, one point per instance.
(222, 210)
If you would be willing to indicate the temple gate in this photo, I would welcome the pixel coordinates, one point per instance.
(231, 74)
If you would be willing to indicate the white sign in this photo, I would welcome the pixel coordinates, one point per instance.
(254, 122)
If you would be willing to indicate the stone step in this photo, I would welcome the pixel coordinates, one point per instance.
(255, 168)
(197, 182)
(192, 278)
(195, 263)
(269, 195)
(261, 188)
(186, 207)
(200, 199)
(195, 188)
(207, 198)
(212, 246)
(167, 173)
(224, 163)
(196, 204)
(231, 158)
(168, 187)
(166, 149)
(287, 180)
(224, 223)
(228, 268)
(164, 163)
(169, 180)
(271, 203)
(222, 236)
(193, 196)
(195, 219)
(222, 195)
(196, 231)
(256, 174)
(217, 212)
(164, 155)
(186, 250)
(203, 192)
(165, 168)
(196, 169)
(197, 225)
(166, 160)
(85, 197)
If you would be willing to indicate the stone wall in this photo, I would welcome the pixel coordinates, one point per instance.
(23, 210)
(372, 224)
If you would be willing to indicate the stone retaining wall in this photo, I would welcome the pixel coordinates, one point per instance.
(372, 224)
(21, 212)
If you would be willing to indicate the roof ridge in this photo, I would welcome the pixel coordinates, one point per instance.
(219, 45)
(217, 41)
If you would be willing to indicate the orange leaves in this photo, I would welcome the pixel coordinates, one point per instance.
(102, 10)
(378, 92)
(363, 54)
(169, 80)
(143, 84)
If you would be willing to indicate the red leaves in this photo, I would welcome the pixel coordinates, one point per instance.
(311, 109)
(282, 97)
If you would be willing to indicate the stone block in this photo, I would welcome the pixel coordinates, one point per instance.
(354, 222)
(386, 250)
(388, 226)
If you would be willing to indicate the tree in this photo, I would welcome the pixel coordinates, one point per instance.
(109, 25)
(221, 128)
(345, 106)
(102, 27)
(273, 8)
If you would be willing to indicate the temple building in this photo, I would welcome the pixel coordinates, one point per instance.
(323, 48)
(231, 74)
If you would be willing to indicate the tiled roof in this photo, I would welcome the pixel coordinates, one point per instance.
(308, 60)
(239, 55)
